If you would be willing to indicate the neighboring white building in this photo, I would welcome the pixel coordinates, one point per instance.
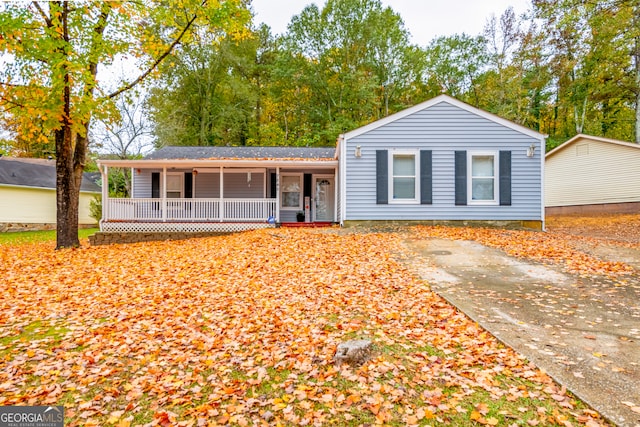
(590, 174)
(28, 195)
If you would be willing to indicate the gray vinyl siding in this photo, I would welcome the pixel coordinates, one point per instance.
(443, 128)
(236, 185)
(141, 185)
(207, 185)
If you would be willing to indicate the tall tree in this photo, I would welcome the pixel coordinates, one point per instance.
(209, 93)
(55, 50)
(455, 63)
(595, 57)
(357, 60)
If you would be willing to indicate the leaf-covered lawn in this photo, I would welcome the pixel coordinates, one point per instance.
(241, 330)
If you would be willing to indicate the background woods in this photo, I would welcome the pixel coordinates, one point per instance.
(563, 68)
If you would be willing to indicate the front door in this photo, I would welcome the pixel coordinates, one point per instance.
(324, 198)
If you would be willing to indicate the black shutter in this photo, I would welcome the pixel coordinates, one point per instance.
(426, 177)
(307, 185)
(505, 178)
(274, 187)
(382, 177)
(155, 185)
(461, 177)
(188, 185)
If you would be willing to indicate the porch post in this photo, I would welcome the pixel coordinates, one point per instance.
(164, 194)
(104, 175)
(336, 193)
(278, 194)
(221, 212)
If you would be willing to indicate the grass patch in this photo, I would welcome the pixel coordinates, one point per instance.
(34, 331)
(22, 237)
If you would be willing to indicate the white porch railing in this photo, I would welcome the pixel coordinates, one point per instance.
(189, 209)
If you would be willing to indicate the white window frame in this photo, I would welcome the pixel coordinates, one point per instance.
(496, 178)
(301, 184)
(416, 158)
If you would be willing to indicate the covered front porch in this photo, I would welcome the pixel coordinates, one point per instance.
(219, 195)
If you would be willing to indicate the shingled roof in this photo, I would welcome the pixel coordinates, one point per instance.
(204, 153)
(36, 173)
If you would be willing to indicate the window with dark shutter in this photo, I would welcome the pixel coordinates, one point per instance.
(505, 178)
(426, 177)
(382, 177)
(461, 178)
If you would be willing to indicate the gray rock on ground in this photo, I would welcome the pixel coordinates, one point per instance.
(353, 352)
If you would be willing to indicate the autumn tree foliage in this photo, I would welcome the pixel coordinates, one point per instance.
(51, 86)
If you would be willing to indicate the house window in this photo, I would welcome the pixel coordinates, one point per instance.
(291, 191)
(404, 182)
(483, 183)
(174, 186)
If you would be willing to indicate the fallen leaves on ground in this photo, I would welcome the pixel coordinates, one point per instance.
(614, 228)
(241, 330)
(547, 247)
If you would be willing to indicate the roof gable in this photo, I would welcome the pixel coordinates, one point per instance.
(435, 101)
(36, 173)
(254, 153)
(582, 137)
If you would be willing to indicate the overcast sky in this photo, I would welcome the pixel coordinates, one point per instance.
(425, 19)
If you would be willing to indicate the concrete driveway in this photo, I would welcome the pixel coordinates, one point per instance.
(584, 332)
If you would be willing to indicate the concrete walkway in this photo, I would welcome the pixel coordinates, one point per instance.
(584, 332)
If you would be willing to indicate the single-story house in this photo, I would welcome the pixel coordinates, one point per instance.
(28, 195)
(440, 161)
(591, 174)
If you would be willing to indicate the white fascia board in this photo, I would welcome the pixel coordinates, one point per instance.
(234, 163)
(437, 100)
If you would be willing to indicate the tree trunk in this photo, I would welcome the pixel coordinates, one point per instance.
(67, 192)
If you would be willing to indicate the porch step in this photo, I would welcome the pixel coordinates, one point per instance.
(306, 224)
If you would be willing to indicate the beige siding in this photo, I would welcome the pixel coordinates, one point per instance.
(592, 172)
(84, 216)
(36, 206)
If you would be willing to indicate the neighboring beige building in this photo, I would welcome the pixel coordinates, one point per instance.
(590, 174)
(28, 195)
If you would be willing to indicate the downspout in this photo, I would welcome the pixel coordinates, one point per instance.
(543, 152)
(278, 195)
(342, 172)
(336, 193)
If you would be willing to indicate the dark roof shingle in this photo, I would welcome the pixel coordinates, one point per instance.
(202, 153)
(36, 173)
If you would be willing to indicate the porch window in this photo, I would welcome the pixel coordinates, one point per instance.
(174, 186)
(291, 191)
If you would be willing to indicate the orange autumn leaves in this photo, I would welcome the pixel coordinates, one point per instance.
(552, 248)
(241, 330)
